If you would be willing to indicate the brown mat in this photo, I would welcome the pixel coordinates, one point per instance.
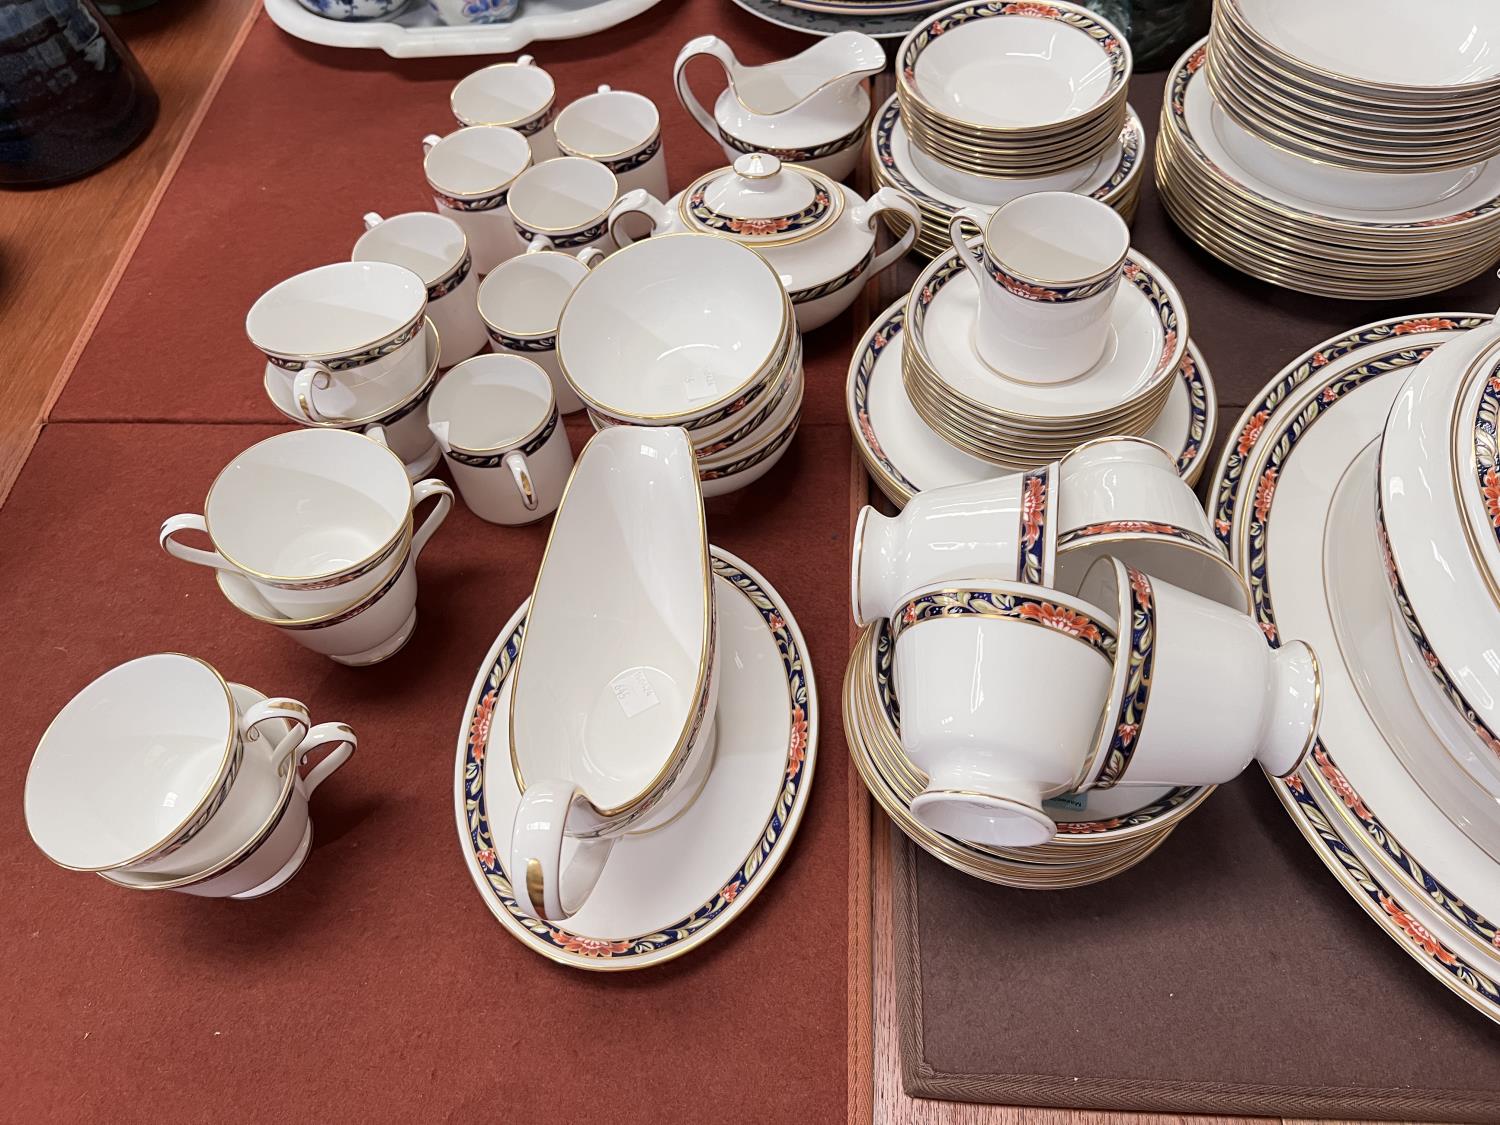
(376, 986)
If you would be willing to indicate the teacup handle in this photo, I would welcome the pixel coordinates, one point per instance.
(290, 711)
(423, 490)
(312, 377)
(187, 521)
(515, 461)
(702, 45)
(542, 886)
(967, 254)
(372, 220)
(428, 141)
(639, 201)
(336, 735)
(889, 199)
(535, 243)
(591, 256)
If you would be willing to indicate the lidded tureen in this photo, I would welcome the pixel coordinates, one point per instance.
(817, 234)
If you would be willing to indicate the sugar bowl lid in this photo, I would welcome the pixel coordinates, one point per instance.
(760, 202)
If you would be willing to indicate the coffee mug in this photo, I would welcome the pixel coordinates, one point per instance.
(315, 519)
(564, 204)
(522, 302)
(435, 249)
(1048, 267)
(1004, 527)
(622, 131)
(518, 95)
(497, 423)
(471, 173)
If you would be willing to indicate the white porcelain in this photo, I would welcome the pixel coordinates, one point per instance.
(518, 95)
(435, 249)
(472, 13)
(1048, 270)
(471, 172)
(564, 204)
(1004, 528)
(749, 464)
(621, 130)
(350, 332)
(612, 725)
(498, 426)
(135, 768)
(643, 337)
(1123, 497)
(354, 10)
(314, 518)
(1197, 693)
(776, 409)
(817, 234)
(811, 109)
(521, 304)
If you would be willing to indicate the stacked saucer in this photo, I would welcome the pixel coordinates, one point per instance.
(643, 342)
(1386, 227)
(1383, 86)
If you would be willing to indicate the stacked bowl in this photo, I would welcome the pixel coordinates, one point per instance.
(643, 342)
(1339, 149)
(998, 99)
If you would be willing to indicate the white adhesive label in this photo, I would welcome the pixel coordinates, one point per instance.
(701, 385)
(633, 692)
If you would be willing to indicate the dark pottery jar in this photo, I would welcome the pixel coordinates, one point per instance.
(1157, 30)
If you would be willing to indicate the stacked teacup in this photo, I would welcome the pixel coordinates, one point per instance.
(160, 775)
(1053, 636)
(644, 342)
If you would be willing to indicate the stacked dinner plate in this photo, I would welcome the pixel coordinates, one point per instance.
(1361, 221)
(1100, 833)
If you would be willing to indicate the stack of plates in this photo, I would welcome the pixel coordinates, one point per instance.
(1375, 85)
(1100, 833)
(1314, 226)
(1013, 89)
(1001, 420)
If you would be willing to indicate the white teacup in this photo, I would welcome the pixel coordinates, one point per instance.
(522, 302)
(496, 420)
(1004, 528)
(622, 131)
(519, 95)
(435, 249)
(277, 838)
(471, 172)
(1002, 689)
(564, 204)
(315, 519)
(348, 333)
(154, 766)
(1048, 268)
(611, 723)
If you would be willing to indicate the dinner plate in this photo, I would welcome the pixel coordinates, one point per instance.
(905, 457)
(668, 890)
(1278, 482)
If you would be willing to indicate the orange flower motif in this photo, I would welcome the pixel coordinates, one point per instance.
(1031, 292)
(1087, 827)
(909, 614)
(588, 946)
(1132, 270)
(796, 751)
(758, 227)
(1045, 11)
(479, 726)
(1422, 324)
(1195, 60)
(1269, 629)
(1264, 493)
(1495, 383)
(1295, 783)
(730, 891)
(1125, 733)
(1061, 618)
(1492, 496)
(1251, 433)
(1329, 395)
(1419, 934)
(1168, 347)
(1033, 505)
(1340, 784)
(1223, 526)
(486, 858)
(1318, 360)
(868, 429)
(776, 621)
(1142, 587)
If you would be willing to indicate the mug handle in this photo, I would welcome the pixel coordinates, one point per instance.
(967, 254)
(167, 537)
(535, 243)
(423, 490)
(638, 201)
(515, 461)
(372, 220)
(590, 256)
(889, 199)
(336, 735)
(428, 141)
(526, 60)
(702, 45)
(287, 710)
(312, 377)
(604, 90)
(542, 886)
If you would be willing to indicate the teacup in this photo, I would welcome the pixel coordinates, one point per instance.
(154, 765)
(350, 333)
(315, 519)
(611, 722)
(1048, 268)
(564, 204)
(1002, 689)
(435, 249)
(518, 95)
(496, 420)
(522, 302)
(1123, 497)
(1184, 664)
(1004, 528)
(471, 172)
(622, 131)
(275, 845)
(473, 11)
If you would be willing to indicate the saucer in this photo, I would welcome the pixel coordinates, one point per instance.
(667, 891)
(905, 456)
(1282, 484)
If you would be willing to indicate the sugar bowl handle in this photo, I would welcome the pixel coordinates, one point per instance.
(543, 886)
(889, 199)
